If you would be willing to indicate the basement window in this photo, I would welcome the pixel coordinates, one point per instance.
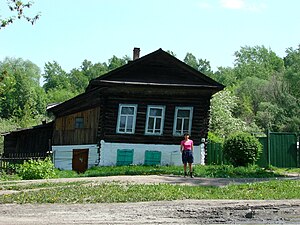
(124, 157)
(79, 122)
(152, 158)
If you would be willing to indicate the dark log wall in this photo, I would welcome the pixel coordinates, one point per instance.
(65, 132)
(199, 122)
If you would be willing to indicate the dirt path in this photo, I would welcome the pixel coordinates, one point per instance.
(163, 212)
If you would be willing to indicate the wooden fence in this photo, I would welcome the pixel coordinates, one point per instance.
(18, 158)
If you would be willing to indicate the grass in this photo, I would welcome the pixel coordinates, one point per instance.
(223, 171)
(117, 192)
(20, 186)
(92, 192)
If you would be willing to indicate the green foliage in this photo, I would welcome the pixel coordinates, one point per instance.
(222, 120)
(37, 169)
(292, 72)
(116, 192)
(201, 65)
(7, 177)
(17, 9)
(214, 137)
(229, 171)
(242, 149)
(199, 171)
(20, 91)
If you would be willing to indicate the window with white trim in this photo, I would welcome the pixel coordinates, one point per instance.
(182, 120)
(126, 119)
(155, 120)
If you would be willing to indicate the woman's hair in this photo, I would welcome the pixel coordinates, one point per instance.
(186, 134)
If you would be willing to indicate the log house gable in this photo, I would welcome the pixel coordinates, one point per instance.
(157, 68)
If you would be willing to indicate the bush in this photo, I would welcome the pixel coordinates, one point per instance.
(242, 149)
(37, 169)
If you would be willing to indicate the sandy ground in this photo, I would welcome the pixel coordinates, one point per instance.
(162, 212)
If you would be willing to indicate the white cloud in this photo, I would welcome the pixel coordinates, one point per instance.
(250, 5)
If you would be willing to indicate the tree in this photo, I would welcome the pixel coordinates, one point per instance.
(79, 78)
(258, 62)
(20, 89)
(292, 72)
(191, 60)
(171, 53)
(55, 77)
(222, 120)
(18, 8)
(115, 62)
(226, 76)
(201, 65)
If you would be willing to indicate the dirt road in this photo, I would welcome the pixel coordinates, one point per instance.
(164, 212)
(174, 212)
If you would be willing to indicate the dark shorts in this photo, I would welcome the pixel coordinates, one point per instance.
(187, 156)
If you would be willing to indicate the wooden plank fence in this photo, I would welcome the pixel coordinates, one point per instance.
(18, 158)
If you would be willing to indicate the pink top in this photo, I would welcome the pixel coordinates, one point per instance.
(187, 145)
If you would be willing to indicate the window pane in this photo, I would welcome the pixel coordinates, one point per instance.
(183, 113)
(157, 124)
(155, 112)
(122, 122)
(127, 110)
(186, 125)
(178, 125)
(129, 122)
(79, 122)
(150, 123)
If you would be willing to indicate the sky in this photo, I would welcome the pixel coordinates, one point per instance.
(70, 31)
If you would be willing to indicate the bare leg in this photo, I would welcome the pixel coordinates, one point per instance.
(184, 169)
(191, 169)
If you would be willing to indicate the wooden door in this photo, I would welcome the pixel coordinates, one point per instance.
(80, 160)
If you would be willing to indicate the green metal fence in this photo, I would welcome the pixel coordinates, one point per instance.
(214, 154)
(279, 149)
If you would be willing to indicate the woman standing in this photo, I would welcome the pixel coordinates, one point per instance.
(187, 148)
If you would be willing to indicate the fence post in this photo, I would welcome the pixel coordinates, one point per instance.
(269, 147)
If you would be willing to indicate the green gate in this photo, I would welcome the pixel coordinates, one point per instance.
(282, 149)
(214, 154)
(279, 149)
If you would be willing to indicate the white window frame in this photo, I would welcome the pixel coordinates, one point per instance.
(162, 117)
(175, 120)
(119, 119)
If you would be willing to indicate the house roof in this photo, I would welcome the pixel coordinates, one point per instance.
(156, 68)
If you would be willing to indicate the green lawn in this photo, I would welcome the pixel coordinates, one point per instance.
(117, 192)
(223, 171)
(93, 192)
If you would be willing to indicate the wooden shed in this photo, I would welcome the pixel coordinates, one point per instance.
(31, 140)
(135, 114)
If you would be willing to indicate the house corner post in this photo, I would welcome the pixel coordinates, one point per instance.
(202, 151)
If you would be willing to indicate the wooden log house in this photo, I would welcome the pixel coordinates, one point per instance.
(135, 114)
